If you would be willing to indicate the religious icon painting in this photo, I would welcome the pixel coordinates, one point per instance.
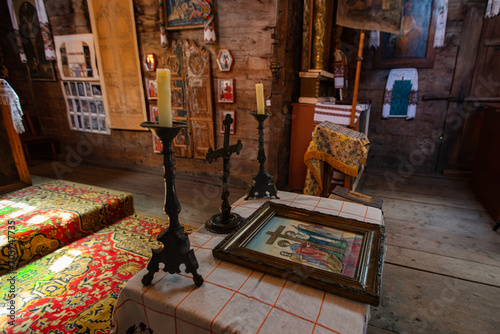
(85, 106)
(223, 114)
(151, 89)
(81, 90)
(96, 90)
(153, 117)
(74, 92)
(225, 60)
(100, 107)
(226, 90)
(331, 253)
(88, 90)
(150, 62)
(93, 107)
(66, 88)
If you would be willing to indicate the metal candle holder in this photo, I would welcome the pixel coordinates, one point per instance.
(262, 185)
(176, 247)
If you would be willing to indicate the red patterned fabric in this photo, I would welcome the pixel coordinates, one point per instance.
(73, 289)
(38, 220)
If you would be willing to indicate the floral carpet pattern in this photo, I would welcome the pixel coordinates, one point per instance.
(74, 289)
(38, 220)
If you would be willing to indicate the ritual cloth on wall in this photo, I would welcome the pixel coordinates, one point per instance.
(492, 8)
(236, 299)
(48, 42)
(342, 148)
(401, 94)
(9, 97)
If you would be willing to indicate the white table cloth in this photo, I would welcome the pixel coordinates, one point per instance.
(235, 299)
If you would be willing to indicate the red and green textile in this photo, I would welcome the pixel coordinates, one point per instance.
(38, 220)
(74, 289)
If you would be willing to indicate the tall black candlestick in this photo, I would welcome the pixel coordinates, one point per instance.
(262, 185)
(176, 247)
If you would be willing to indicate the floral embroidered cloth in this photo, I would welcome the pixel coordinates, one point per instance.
(401, 94)
(342, 148)
(38, 220)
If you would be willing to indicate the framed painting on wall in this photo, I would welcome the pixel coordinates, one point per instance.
(225, 90)
(334, 254)
(223, 114)
(413, 46)
(151, 89)
(183, 14)
(76, 57)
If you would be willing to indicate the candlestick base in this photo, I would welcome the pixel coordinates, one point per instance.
(219, 224)
(176, 248)
(262, 185)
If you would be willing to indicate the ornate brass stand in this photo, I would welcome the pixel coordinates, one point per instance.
(262, 185)
(225, 221)
(176, 247)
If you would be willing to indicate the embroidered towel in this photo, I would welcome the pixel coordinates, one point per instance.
(9, 97)
(441, 24)
(401, 92)
(493, 8)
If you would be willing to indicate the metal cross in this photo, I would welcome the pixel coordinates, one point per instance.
(225, 152)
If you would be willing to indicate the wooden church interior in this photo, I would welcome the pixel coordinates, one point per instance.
(429, 172)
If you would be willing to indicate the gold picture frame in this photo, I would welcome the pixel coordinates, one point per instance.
(338, 255)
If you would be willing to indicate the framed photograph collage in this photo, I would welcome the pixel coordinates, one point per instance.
(85, 106)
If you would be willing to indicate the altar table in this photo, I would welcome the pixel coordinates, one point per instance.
(235, 299)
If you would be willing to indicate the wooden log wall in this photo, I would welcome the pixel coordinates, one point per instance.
(412, 146)
(246, 28)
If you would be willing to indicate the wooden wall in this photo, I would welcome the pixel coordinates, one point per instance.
(425, 144)
(243, 27)
(247, 28)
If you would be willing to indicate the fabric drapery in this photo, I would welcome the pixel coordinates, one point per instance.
(163, 32)
(401, 94)
(208, 22)
(48, 41)
(15, 25)
(342, 148)
(9, 97)
(493, 8)
(442, 15)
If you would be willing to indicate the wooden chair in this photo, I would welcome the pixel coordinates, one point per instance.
(32, 138)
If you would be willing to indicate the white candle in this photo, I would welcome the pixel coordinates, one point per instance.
(164, 97)
(260, 98)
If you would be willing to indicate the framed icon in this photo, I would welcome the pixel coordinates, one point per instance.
(150, 62)
(225, 60)
(225, 90)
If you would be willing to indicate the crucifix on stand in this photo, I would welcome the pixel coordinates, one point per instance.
(225, 221)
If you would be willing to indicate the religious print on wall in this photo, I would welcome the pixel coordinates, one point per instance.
(85, 107)
(184, 14)
(382, 15)
(76, 57)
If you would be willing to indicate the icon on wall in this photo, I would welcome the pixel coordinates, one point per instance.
(225, 60)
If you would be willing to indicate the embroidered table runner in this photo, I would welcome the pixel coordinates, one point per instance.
(342, 148)
(235, 299)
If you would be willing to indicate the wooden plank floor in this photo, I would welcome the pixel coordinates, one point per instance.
(442, 267)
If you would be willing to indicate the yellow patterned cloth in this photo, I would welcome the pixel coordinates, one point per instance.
(342, 148)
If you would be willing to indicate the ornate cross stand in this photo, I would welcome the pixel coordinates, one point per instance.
(176, 247)
(262, 186)
(225, 221)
